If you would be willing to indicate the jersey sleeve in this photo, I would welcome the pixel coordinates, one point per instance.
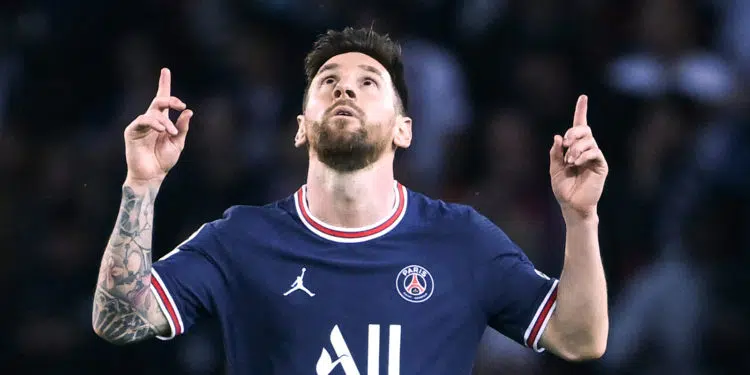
(187, 280)
(517, 298)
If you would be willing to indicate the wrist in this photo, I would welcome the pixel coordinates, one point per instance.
(140, 186)
(575, 217)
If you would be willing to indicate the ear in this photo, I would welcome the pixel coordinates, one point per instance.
(402, 130)
(301, 137)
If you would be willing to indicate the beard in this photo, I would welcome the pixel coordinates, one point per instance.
(346, 150)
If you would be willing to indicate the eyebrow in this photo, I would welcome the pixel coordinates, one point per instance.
(330, 66)
(369, 68)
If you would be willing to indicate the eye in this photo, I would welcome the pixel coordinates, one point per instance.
(329, 80)
(369, 82)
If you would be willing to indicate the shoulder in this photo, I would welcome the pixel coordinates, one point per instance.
(252, 216)
(475, 229)
(238, 225)
(437, 211)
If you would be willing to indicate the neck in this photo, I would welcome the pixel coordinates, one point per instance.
(350, 200)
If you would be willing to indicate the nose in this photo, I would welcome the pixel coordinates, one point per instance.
(342, 90)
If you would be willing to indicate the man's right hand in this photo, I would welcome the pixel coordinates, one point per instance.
(153, 143)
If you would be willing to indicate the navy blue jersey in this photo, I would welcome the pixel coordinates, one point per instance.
(409, 295)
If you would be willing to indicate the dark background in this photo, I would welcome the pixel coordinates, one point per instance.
(491, 81)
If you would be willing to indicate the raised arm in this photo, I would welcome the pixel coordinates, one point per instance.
(125, 310)
(579, 326)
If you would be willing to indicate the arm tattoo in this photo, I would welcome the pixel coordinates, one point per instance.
(124, 309)
(118, 321)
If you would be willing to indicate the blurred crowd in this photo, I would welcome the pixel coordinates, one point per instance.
(491, 82)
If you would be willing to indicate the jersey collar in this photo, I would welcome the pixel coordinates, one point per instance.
(351, 235)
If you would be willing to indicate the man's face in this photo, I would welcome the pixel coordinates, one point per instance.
(351, 117)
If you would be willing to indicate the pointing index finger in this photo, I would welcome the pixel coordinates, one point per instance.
(165, 83)
(579, 117)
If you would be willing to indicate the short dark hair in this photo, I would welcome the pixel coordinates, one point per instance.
(378, 46)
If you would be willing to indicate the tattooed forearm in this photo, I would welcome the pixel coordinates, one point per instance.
(124, 309)
(118, 321)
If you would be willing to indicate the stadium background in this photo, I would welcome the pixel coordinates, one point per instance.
(490, 82)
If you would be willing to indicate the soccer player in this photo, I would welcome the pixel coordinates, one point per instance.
(353, 273)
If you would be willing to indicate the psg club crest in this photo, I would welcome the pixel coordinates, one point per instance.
(414, 284)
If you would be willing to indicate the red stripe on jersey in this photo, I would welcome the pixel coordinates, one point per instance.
(170, 309)
(541, 318)
(353, 234)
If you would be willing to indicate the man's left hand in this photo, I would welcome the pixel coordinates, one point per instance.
(577, 167)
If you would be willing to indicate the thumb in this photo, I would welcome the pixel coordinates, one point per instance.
(182, 125)
(556, 154)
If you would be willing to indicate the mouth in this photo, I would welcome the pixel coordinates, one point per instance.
(343, 111)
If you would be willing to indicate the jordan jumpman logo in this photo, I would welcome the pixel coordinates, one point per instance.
(297, 285)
